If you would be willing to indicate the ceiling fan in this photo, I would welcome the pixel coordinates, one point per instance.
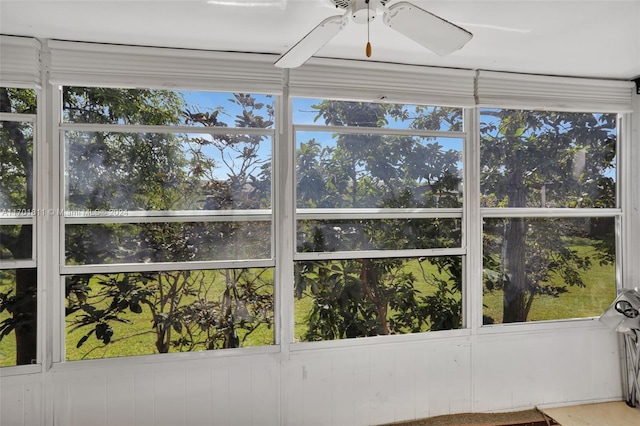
(429, 30)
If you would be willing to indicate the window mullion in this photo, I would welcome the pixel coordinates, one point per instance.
(285, 235)
(472, 222)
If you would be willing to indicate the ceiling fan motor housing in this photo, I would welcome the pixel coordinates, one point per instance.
(360, 11)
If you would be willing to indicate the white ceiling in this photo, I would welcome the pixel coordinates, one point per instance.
(562, 37)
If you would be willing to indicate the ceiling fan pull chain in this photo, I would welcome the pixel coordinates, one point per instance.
(368, 49)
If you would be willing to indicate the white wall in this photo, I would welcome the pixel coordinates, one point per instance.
(358, 382)
(364, 383)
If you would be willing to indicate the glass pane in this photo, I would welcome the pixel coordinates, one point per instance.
(368, 114)
(16, 242)
(166, 107)
(16, 165)
(154, 171)
(176, 311)
(167, 242)
(547, 159)
(547, 269)
(18, 101)
(341, 299)
(386, 171)
(18, 317)
(384, 234)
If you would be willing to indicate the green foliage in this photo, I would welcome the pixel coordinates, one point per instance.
(544, 159)
(188, 310)
(366, 297)
(168, 172)
(528, 159)
(149, 171)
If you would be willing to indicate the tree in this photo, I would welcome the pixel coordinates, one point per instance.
(364, 297)
(16, 192)
(542, 159)
(120, 171)
(172, 172)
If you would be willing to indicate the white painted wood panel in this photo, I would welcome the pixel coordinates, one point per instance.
(144, 401)
(370, 383)
(87, 401)
(220, 394)
(20, 400)
(60, 403)
(198, 394)
(239, 389)
(524, 370)
(265, 392)
(362, 382)
(404, 385)
(12, 405)
(343, 389)
(381, 371)
(169, 398)
(120, 400)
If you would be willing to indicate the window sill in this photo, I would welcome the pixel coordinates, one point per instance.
(20, 370)
(139, 361)
(379, 340)
(541, 326)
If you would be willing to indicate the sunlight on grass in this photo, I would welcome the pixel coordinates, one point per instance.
(424, 272)
(138, 337)
(578, 302)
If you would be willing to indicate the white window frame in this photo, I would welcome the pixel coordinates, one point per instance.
(88, 64)
(20, 68)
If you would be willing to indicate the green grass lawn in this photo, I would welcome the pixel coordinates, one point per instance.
(425, 287)
(578, 302)
(8, 343)
(138, 338)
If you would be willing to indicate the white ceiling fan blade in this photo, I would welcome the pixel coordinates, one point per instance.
(312, 42)
(429, 30)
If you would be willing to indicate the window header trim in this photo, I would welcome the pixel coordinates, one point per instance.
(552, 93)
(19, 62)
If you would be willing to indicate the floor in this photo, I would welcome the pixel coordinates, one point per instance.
(604, 414)
(519, 418)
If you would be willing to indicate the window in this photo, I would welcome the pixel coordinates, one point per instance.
(182, 220)
(18, 215)
(167, 221)
(550, 207)
(379, 193)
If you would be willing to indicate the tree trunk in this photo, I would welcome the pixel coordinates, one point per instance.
(514, 307)
(369, 278)
(515, 288)
(26, 329)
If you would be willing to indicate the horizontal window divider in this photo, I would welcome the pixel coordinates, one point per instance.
(461, 334)
(531, 327)
(10, 116)
(379, 254)
(21, 370)
(117, 268)
(151, 362)
(375, 213)
(144, 128)
(95, 217)
(17, 264)
(549, 212)
(19, 219)
(378, 131)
